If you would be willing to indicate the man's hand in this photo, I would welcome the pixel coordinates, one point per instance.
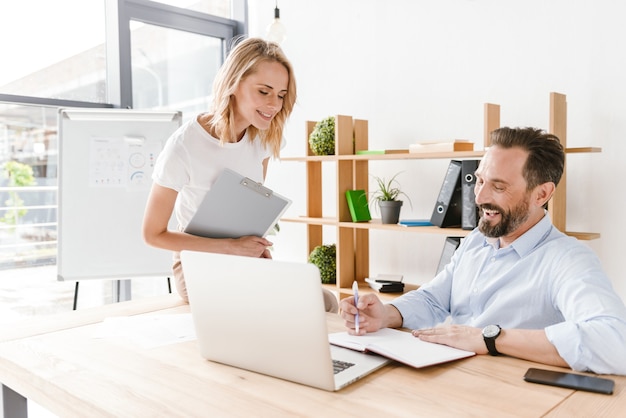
(373, 315)
(457, 336)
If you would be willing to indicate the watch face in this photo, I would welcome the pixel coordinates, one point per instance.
(491, 331)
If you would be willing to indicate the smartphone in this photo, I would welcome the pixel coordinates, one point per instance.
(570, 380)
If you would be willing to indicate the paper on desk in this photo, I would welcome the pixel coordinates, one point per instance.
(149, 331)
(400, 346)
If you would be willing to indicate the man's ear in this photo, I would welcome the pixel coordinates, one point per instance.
(544, 192)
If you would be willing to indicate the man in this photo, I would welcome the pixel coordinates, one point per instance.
(516, 286)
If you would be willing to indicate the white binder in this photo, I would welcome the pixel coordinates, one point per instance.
(237, 206)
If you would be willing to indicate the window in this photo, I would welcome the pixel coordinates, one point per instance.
(173, 69)
(156, 41)
(158, 55)
(66, 60)
(27, 199)
(216, 8)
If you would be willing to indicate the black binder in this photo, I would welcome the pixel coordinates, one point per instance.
(469, 210)
(447, 211)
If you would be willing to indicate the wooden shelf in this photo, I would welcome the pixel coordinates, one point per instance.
(417, 156)
(311, 220)
(342, 292)
(390, 157)
(584, 236)
(377, 224)
(352, 170)
(581, 150)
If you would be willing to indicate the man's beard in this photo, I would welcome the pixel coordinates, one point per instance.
(509, 220)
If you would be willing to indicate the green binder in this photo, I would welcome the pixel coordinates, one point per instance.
(357, 202)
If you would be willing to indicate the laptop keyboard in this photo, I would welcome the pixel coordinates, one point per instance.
(339, 366)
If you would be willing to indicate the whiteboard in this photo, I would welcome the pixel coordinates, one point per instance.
(106, 158)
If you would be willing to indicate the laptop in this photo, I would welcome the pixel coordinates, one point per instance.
(268, 316)
(449, 247)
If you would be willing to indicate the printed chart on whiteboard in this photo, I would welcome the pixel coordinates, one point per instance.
(122, 162)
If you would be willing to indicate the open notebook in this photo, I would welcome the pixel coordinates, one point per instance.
(400, 346)
(268, 316)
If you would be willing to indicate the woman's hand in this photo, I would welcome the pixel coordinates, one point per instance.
(251, 246)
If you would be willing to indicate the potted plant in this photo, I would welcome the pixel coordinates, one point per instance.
(387, 196)
(322, 139)
(325, 258)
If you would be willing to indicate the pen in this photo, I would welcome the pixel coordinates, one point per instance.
(355, 291)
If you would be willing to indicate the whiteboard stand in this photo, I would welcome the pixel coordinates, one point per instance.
(121, 291)
(106, 158)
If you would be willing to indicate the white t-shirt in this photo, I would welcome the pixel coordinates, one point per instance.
(192, 160)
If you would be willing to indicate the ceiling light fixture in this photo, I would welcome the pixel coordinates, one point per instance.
(276, 31)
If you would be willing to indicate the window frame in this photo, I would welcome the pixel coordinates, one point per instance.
(119, 82)
(118, 14)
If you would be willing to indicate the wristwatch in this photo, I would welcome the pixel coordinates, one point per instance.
(490, 333)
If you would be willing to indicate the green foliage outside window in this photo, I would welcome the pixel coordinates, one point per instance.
(19, 175)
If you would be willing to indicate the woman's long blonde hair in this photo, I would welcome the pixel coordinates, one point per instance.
(243, 61)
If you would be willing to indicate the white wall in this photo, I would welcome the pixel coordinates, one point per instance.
(419, 70)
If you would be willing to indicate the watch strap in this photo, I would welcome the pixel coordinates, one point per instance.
(491, 346)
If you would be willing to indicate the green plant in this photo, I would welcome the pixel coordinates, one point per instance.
(322, 139)
(325, 258)
(19, 175)
(388, 190)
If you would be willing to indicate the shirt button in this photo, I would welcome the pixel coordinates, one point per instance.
(493, 259)
(475, 290)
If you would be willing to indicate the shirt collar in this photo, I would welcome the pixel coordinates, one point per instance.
(529, 240)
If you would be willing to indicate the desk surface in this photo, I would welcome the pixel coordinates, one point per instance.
(44, 324)
(71, 373)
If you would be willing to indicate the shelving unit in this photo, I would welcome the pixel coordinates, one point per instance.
(351, 135)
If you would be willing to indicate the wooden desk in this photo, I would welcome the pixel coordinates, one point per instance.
(14, 404)
(74, 375)
(44, 324)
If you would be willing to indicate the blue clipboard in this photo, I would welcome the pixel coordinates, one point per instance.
(237, 206)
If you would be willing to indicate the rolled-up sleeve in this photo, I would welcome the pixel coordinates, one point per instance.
(592, 336)
(597, 345)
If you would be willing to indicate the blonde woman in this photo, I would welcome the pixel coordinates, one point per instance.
(254, 93)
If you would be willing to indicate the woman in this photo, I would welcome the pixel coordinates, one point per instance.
(254, 93)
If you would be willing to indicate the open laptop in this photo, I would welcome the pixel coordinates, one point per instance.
(268, 316)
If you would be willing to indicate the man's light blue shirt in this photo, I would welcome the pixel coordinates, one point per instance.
(543, 280)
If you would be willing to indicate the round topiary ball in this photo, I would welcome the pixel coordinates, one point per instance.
(325, 258)
(322, 139)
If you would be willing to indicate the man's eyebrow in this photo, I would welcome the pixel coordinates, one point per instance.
(498, 180)
(493, 180)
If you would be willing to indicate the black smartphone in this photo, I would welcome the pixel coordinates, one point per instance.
(570, 380)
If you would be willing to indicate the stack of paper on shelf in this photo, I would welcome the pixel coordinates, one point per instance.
(386, 286)
(396, 151)
(442, 146)
(381, 151)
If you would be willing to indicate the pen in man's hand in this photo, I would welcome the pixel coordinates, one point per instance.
(355, 291)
